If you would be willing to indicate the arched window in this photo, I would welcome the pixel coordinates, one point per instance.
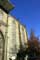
(2, 42)
(1, 15)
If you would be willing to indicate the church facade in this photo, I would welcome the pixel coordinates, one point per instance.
(12, 36)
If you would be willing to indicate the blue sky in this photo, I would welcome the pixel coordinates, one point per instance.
(28, 13)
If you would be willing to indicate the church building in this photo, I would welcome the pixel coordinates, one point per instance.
(12, 33)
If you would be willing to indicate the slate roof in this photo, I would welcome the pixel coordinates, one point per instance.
(6, 6)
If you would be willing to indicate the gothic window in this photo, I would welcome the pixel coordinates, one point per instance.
(0, 16)
(1, 46)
